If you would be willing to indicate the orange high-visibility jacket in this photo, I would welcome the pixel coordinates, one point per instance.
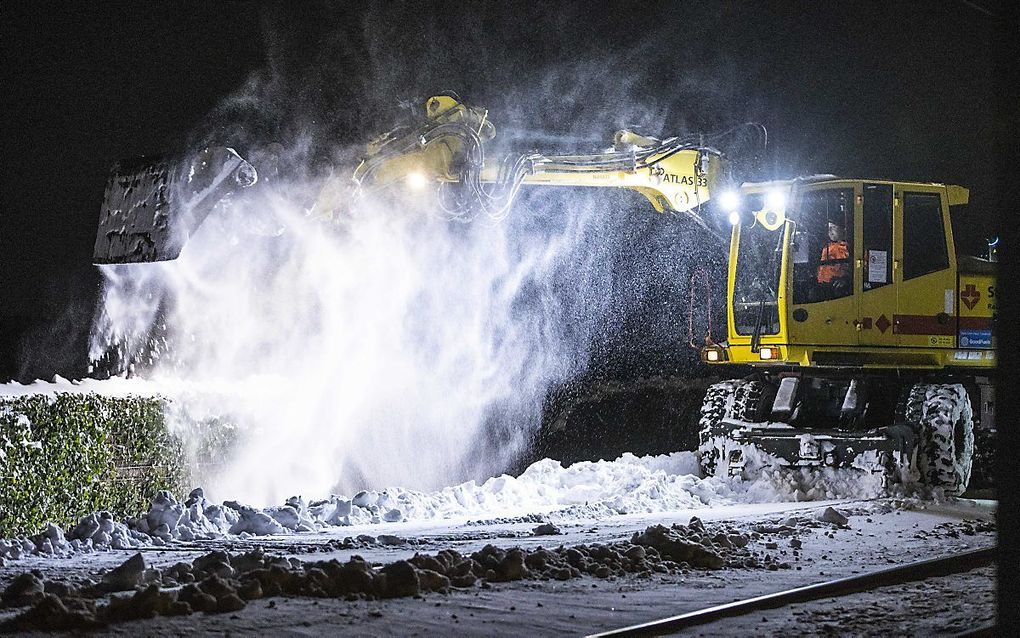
(835, 250)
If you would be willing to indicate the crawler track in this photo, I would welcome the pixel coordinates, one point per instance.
(942, 566)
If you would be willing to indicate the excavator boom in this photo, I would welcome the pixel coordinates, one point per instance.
(152, 206)
(448, 146)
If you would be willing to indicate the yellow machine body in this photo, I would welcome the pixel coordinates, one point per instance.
(908, 301)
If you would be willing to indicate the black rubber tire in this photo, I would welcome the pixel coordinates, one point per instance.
(947, 437)
(718, 402)
(749, 402)
(909, 409)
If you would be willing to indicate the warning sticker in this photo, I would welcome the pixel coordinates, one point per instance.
(878, 266)
(940, 341)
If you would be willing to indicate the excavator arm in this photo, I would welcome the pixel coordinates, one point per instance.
(441, 156)
(448, 148)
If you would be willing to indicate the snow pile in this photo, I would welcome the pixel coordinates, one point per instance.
(767, 478)
(97, 531)
(628, 485)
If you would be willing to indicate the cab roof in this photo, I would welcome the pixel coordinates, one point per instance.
(957, 194)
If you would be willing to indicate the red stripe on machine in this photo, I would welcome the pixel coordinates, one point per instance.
(975, 323)
(923, 325)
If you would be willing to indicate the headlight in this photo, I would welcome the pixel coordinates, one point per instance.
(729, 200)
(776, 200)
(766, 353)
(417, 180)
(713, 354)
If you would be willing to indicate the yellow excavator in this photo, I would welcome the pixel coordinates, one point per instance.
(870, 343)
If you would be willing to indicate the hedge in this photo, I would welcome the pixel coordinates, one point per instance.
(65, 456)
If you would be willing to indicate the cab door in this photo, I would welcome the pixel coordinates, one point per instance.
(824, 306)
(924, 268)
(875, 264)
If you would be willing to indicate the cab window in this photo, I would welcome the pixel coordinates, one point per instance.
(823, 246)
(924, 237)
(878, 237)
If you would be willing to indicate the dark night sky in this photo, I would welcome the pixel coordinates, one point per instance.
(898, 90)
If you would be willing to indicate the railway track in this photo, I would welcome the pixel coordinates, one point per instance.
(915, 571)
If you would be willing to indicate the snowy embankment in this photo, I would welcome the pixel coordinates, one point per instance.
(626, 485)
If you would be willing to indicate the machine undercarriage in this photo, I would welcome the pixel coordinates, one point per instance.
(906, 430)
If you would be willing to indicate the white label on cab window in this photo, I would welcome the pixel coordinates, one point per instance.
(877, 265)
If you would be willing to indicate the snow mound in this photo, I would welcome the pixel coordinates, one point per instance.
(630, 483)
(627, 485)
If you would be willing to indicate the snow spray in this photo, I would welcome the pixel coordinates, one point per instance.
(388, 349)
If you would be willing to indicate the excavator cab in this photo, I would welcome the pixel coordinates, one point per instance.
(822, 245)
(833, 272)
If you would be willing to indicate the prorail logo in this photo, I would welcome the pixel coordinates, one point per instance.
(970, 296)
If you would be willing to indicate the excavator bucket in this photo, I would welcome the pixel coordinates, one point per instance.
(152, 205)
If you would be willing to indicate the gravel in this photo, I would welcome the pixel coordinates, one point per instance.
(833, 516)
(222, 582)
(546, 529)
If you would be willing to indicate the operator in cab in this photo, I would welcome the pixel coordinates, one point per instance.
(834, 264)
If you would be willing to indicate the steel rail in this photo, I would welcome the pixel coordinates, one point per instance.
(919, 570)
